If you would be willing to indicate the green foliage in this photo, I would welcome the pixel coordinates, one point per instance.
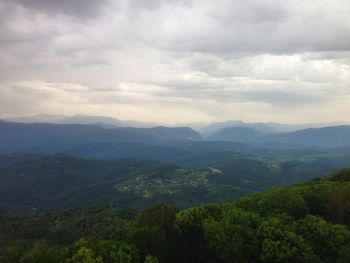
(42, 252)
(161, 215)
(84, 255)
(276, 201)
(191, 220)
(279, 242)
(150, 240)
(111, 252)
(326, 239)
(189, 226)
(344, 254)
(11, 254)
(32, 184)
(154, 232)
(151, 259)
(70, 225)
(342, 175)
(306, 223)
(233, 236)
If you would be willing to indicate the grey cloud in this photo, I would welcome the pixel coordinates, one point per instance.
(251, 12)
(226, 52)
(76, 8)
(221, 27)
(239, 92)
(23, 89)
(282, 98)
(156, 4)
(264, 26)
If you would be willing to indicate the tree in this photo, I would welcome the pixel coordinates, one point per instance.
(11, 254)
(279, 242)
(326, 239)
(151, 240)
(189, 226)
(42, 252)
(112, 252)
(151, 259)
(85, 255)
(233, 236)
(154, 232)
(344, 254)
(161, 215)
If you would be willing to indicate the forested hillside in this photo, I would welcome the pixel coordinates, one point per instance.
(35, 183)
(302, 223)
(78, 193)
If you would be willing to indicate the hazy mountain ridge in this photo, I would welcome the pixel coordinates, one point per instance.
(335, 136)
(215, 127)
(265, 127)
(168, 133)
(81, 119)
(43, 137)
(205, 128)
(239, 134)
(180, 145)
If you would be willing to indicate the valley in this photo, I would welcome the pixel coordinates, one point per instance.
(98, 194)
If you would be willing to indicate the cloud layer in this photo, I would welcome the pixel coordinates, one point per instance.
(177, 60)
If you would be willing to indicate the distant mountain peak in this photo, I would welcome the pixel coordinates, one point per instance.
(103, 121)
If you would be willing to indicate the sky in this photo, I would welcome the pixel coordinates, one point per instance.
(177, 61)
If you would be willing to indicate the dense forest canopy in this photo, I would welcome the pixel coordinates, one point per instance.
(36, 183)
(302, 223)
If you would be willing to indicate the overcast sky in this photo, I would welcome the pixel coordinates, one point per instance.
(177, 60)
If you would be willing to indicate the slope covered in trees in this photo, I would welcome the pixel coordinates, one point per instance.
(30, 184)
(302, 223)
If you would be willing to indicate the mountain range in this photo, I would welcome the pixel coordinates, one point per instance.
(334, 136)
(106, 122)
(45, 137)
(55, 138)
(205, 128)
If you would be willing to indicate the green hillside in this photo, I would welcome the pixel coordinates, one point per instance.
(34, 184)
(302, 223)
